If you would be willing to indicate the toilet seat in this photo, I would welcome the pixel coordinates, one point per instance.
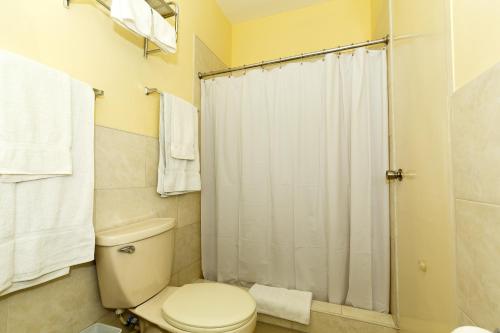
(155, 311)
(209, 307)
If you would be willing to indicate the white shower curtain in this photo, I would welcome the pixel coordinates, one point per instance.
(293, 172)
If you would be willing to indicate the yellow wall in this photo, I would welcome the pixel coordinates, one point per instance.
(476, 26)
(326, 25)
(84, 42)
(379, 18)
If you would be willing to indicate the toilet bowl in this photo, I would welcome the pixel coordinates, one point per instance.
(134, 265)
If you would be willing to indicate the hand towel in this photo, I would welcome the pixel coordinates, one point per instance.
(35, 120)
(175, 176)
(134, 15)
(53, 217)
(163, 33)
(294, 305)
(183, 127)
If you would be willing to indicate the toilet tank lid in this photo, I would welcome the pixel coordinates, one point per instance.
(134, 232)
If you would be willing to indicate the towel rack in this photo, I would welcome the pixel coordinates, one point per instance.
(165, 8)
(149, 91)
(98, 92)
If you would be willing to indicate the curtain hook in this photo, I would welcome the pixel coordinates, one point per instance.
(280, 63)
(324, 55)
(301, 59)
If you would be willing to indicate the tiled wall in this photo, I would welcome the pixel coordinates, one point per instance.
(476, 164)
(125, 191)
(125, 184)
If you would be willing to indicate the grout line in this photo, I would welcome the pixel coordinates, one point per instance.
(484, 203)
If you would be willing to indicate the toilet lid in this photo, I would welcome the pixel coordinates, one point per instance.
(211, 307)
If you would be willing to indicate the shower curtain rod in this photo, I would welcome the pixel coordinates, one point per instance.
(384, 40)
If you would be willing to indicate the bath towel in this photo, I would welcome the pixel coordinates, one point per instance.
(163, 34)
(51, 227)
(35, 120)
(176, 176)
(294, 305)
(183, 127)
(135, 15)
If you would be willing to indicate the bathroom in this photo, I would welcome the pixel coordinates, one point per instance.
(435, 88)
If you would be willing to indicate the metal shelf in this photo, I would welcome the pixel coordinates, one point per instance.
(165, 8)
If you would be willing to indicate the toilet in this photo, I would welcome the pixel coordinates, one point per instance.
(134, 264)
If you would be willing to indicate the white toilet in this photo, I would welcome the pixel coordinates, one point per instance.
(134, 264)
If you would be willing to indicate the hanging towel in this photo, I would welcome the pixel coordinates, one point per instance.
(134, 15)
(163, 33)
(7, 218)
(283, 303)
(176, 176)
(35, 120)
(183, 127)
(52, 222)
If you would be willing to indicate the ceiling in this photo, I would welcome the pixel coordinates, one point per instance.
(243, 10)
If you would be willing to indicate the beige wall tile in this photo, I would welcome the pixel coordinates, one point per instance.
(476, 139)
(464, 320)
(174, 280)
(268, 328)
(152, 152)
(67, 304)
(478, 253)
(326, 323)
(120, 159)
(3, 314)
(189, 209)
(368, 316)
(115, 207)
(190, 273)
(187, 246)
(274, 321)
(205, 60)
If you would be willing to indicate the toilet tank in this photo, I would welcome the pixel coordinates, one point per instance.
(134, 262)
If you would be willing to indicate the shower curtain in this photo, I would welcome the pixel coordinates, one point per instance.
(293, 171)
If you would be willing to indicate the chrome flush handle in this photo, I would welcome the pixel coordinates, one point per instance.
(127, 249)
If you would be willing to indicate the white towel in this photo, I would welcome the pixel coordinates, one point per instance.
(35, 120)
(134, 15)
(183, 127)
(7, 231)
(163, 34)
(53, 217)
(175, 176)
(283, 303)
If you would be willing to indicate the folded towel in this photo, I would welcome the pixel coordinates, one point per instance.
(283, 303)
(183, 126)
(35, 120)
(53, 227)
(175, 176)
(134, 15)
(163, 34)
